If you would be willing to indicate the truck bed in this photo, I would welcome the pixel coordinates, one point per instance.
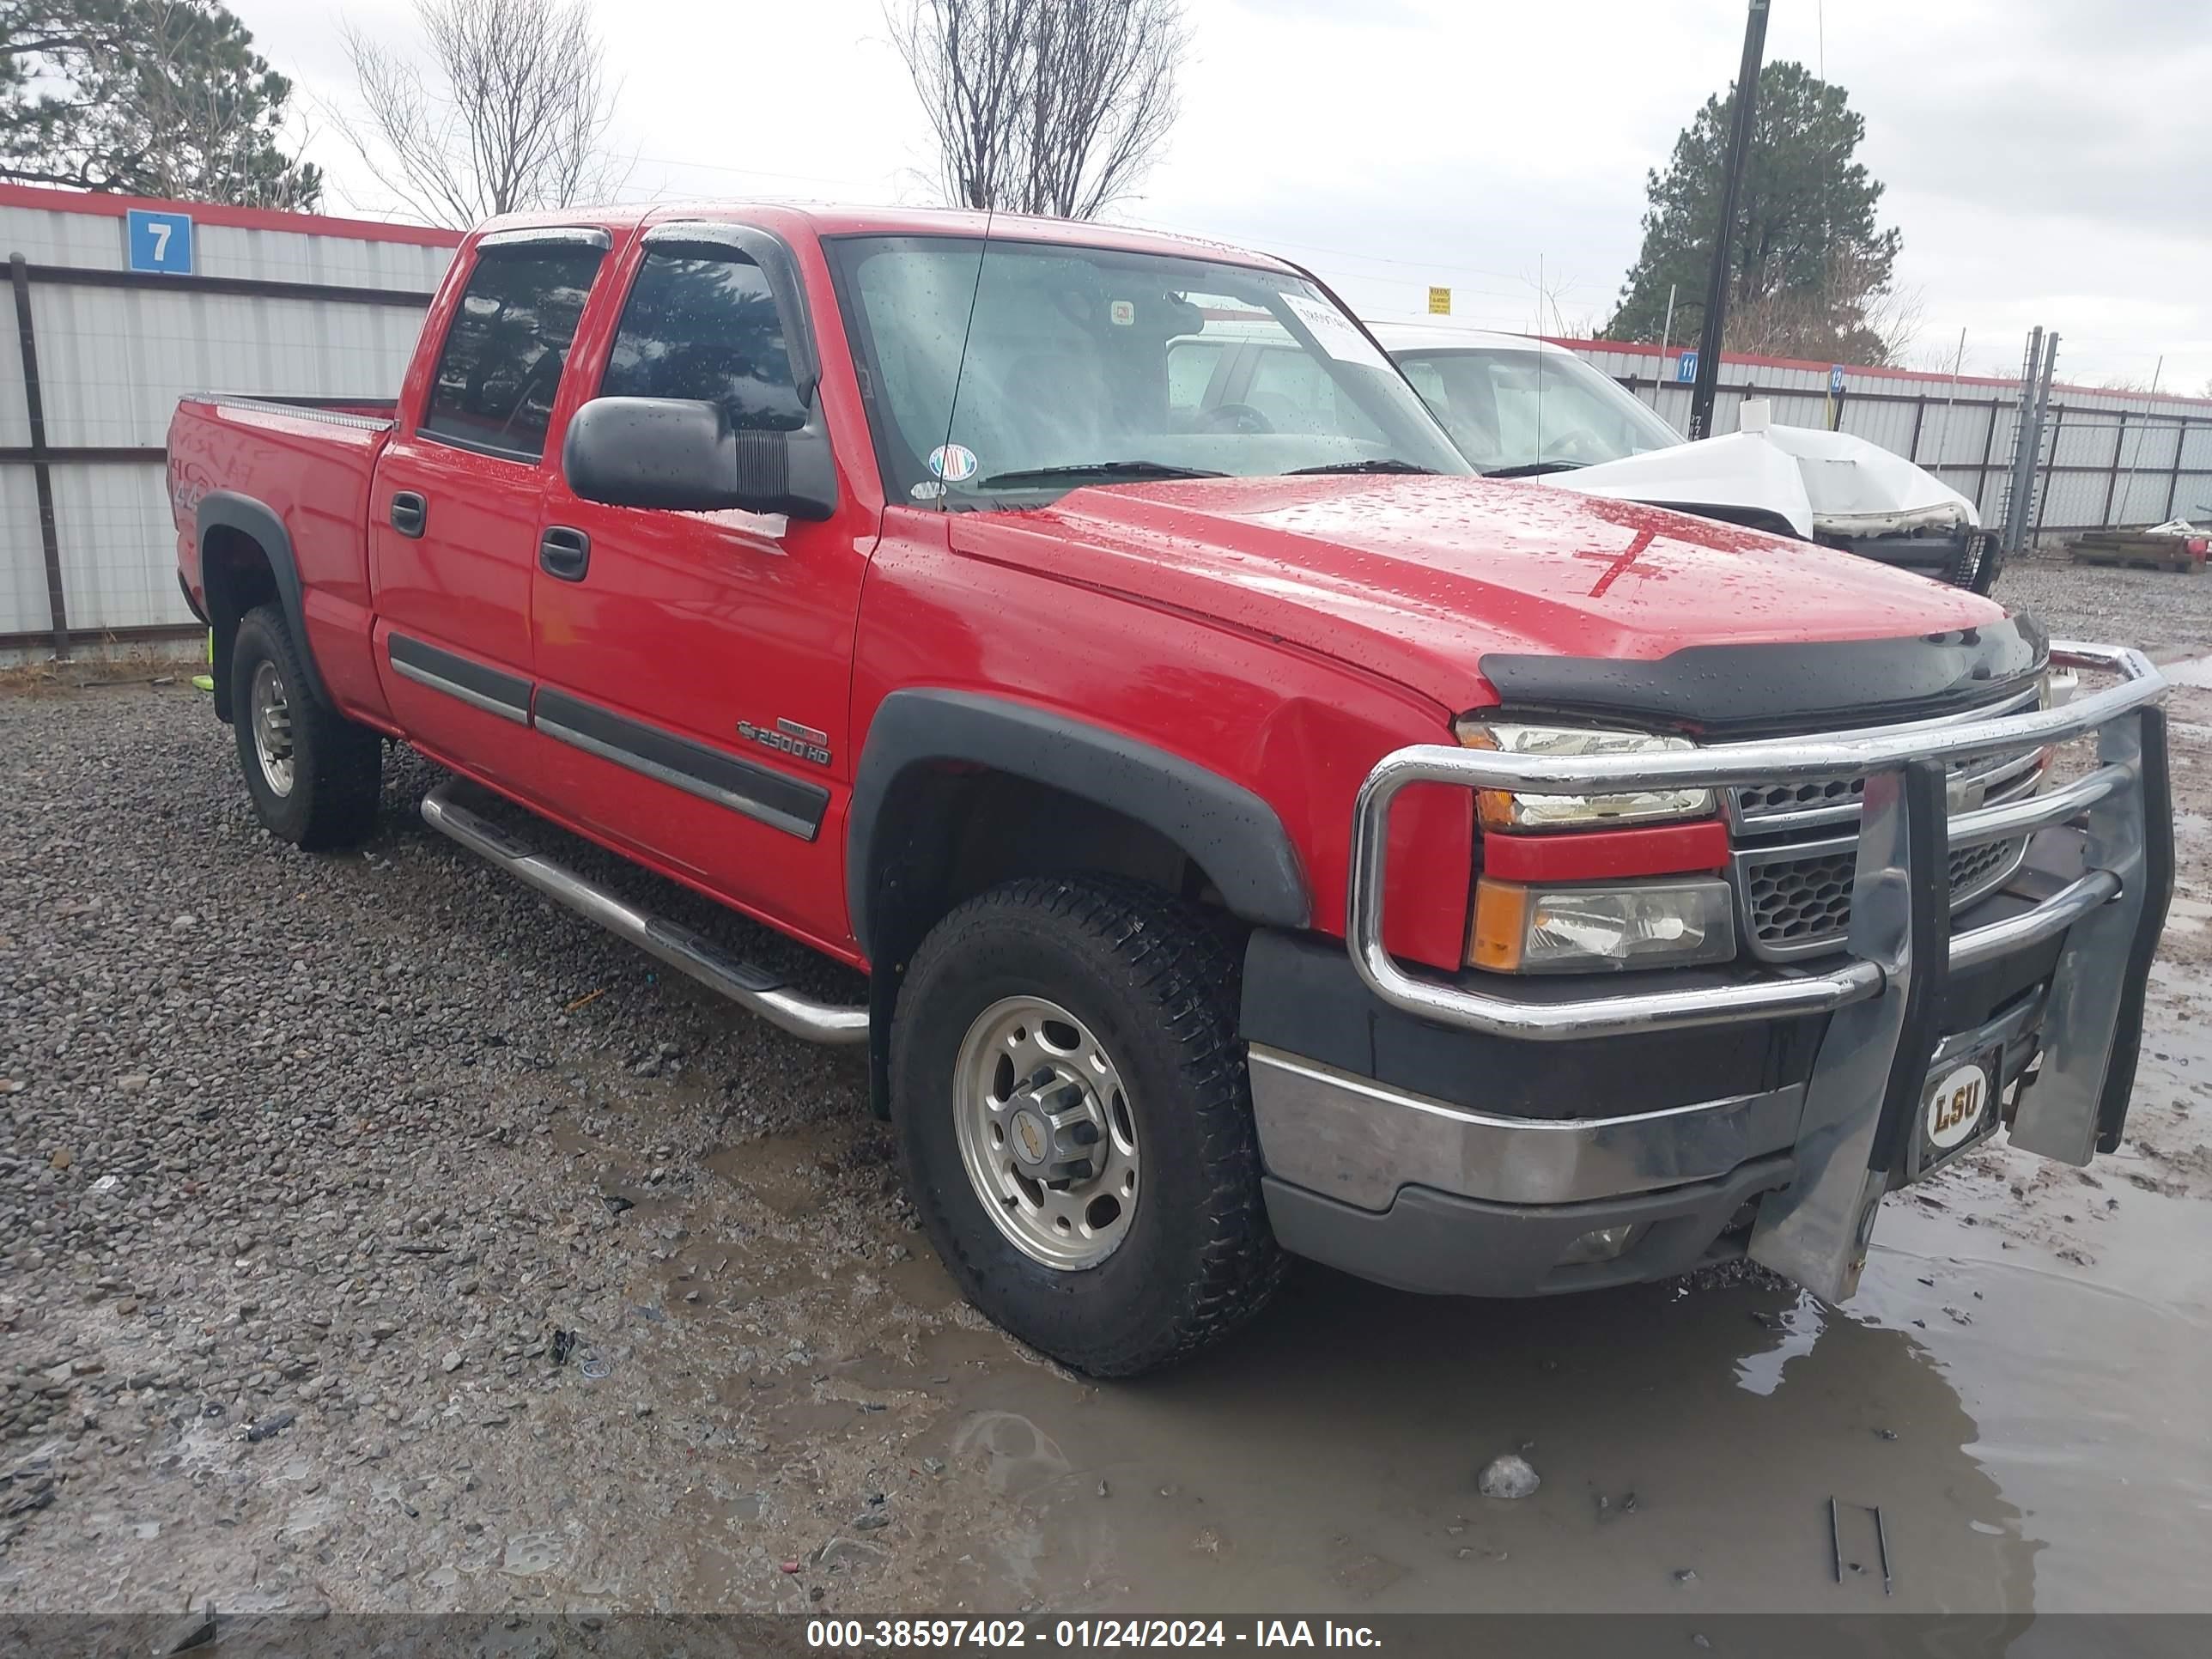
(308, 461)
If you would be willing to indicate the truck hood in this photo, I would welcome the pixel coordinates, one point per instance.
(1418, 578)
(1828, 482)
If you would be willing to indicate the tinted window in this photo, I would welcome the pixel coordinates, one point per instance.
(705, 327)
(506, 348)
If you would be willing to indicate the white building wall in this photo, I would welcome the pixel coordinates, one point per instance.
(113, 361)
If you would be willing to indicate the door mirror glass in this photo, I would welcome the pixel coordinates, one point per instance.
(683, 455)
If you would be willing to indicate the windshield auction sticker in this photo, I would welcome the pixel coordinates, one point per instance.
(1335, 332)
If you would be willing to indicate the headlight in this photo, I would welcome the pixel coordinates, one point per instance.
(1503, 811)
(1528, 929)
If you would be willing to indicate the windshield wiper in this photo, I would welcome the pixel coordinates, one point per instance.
(1083, 472)
(1387, 464)
(1531, 470)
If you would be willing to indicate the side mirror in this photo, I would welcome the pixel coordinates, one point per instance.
(683, 456)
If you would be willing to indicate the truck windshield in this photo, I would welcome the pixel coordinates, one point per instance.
(1532, 411)
(1090, 366)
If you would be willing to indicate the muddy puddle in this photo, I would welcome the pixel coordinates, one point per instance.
(2017, 1388)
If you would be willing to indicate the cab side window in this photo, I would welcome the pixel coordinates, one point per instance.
(703, 325)
(504, 352)
(1296, 393)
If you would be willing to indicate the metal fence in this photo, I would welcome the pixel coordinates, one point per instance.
(2106, 457)
(100, 352)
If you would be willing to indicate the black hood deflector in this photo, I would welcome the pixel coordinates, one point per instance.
(1762, 690)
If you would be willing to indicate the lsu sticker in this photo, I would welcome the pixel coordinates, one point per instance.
(1122, 314)
(954, 462)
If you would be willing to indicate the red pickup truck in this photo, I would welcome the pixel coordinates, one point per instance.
(1260, 835)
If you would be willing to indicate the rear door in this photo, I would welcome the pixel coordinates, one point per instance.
(695, 668)
(453, 510)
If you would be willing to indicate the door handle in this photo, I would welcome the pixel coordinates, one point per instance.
(564, 554)
(410, 513)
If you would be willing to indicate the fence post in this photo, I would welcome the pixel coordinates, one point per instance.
(1989, 448)
(2113, 482)
(2173, 479)
(1919, 414)
(19, 277)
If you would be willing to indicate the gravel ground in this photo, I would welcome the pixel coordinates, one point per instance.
(2157, 611)
(306, 1161)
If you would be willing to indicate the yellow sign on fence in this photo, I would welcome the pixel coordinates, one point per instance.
(1439, 303)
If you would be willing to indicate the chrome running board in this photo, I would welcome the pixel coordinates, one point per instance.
(751, 987)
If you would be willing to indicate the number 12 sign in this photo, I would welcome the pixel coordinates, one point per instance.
(160, 242)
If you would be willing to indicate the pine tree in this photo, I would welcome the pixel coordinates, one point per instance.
(1808, 272)
(148, 98)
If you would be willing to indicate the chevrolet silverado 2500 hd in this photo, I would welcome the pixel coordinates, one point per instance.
(1257, 841)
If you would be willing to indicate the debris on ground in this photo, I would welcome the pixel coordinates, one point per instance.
(1509, 1475)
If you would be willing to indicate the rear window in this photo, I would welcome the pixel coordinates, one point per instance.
(506, 348)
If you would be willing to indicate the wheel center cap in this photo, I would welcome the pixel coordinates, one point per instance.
(1030, 1137)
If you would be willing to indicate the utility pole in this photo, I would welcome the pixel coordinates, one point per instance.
(1665, 338)
(1716, 281)
(2033, 521)
(2020, 480)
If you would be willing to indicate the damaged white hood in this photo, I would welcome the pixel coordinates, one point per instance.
(1813, 480)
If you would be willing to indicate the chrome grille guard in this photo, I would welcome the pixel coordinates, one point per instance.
(1888, 994)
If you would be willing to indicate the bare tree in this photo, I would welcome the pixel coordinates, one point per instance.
(1852, 314)
(1050, 106)
(512, 113)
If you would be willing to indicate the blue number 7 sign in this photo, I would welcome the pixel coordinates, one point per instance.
(160, 242)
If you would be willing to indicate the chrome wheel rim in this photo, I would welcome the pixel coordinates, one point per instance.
(270, 714)
(1046, 1133)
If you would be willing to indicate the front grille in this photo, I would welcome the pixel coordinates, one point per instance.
(1762, 809)
(1803, 904)
(1797, 847)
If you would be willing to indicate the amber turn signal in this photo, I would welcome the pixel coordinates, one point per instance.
(1501, 925)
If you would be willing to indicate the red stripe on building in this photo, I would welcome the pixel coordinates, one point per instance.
(235, 218)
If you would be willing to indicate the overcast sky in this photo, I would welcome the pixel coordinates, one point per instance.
(2048, 160)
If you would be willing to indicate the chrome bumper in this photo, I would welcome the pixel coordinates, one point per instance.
(1885, 998)
(1359, 1142)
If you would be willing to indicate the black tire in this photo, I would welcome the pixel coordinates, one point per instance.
(337, 766)
(1158, 985)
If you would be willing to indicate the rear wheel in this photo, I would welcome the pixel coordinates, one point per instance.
(314, 774)
(1075, 1123)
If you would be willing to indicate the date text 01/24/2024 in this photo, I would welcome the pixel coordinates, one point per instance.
(955, 1633)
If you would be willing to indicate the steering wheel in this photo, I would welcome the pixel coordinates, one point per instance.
(1237, 417)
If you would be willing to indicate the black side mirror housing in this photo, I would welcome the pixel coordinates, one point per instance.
(683, 456)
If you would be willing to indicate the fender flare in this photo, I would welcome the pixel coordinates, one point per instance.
(1234, 835)
(226, 509)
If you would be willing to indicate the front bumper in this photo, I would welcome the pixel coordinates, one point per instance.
(1793, 1091)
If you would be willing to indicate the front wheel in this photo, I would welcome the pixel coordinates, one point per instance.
(1075, 1123)
(314, 775)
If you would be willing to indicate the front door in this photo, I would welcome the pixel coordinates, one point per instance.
(694, 668)
(453, 508)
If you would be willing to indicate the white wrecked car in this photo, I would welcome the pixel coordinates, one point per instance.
(1523, 408)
